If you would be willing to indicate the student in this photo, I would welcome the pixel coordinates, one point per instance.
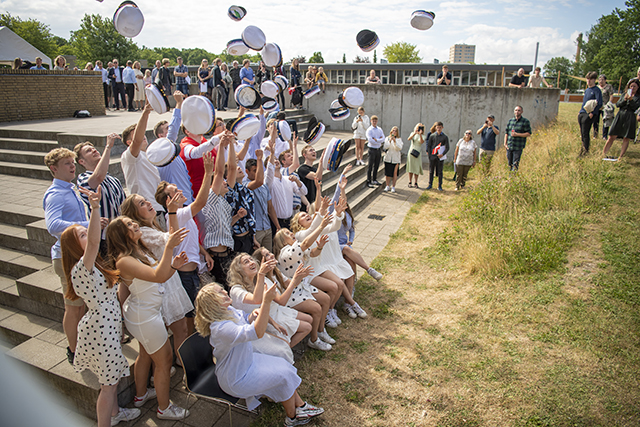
(240, 371)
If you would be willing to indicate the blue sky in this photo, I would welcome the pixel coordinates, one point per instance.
(504, 32)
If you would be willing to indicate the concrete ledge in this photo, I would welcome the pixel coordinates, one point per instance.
(42, 286)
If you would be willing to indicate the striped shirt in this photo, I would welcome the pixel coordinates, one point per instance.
(112, 194)
(261, 196)
(241, 197)
(217, 214)
(297, 201)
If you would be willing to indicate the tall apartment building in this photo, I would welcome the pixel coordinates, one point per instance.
(462, 53)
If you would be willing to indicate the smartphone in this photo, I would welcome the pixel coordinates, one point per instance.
(629, 92)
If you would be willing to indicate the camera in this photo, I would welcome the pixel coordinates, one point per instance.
(420, 128)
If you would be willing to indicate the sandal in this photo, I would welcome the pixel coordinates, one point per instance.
(410, 185)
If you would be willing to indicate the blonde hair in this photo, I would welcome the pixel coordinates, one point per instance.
(294, 224)
(279, 242)
(391, 131)
(129, 208)
(209, 309)
(54, 156)
(236, 276)
(276, 275)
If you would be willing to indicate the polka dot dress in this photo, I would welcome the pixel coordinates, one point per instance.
(288, 261)
(100, 329)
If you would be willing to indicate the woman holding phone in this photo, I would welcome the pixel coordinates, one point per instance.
(624, 125)
(414, 159)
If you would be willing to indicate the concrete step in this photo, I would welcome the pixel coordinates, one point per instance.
(21, 215)
(40, 145)
(30, 164)
(17, 238)
(41, 293)
(29, 134)
(22, 156)
(17, 327)
(18, 264)
(25, 170)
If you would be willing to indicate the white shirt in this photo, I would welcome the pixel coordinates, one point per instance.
(375, 136)
(280, 147)
(282, 190)
(141, 177)
(190, 243)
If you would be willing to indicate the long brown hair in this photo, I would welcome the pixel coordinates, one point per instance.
(347, 211)
(129, 209)
(278, 279)
(120, 245)
(71, 254)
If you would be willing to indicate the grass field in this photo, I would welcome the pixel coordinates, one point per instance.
(514, 303)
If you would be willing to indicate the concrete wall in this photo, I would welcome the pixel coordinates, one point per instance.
(38, 95)
(458, 107)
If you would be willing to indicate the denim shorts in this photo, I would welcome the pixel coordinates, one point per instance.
(191, 283)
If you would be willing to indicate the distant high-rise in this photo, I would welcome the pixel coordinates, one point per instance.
(462, 53)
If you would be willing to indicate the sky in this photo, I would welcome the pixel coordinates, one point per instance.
(504, 32)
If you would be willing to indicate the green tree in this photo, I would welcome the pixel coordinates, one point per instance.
(316, 58)
(344, 58)
(566, 67)
(361, 59)
(401, 52)
(613, 44)
(375, 56)
(34, 32)
(98, 39)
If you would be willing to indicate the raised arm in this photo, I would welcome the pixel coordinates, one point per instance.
(232, 165)
(262, 320)
(94, 229)
(102, 168)
(255, 297)
(218, 176)
(203, 193)
(141, 129)
(259, 178)
(293, 144)
(311, 237)
(176, 117)
(300, 273)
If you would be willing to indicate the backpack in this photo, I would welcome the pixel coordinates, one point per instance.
(296, 98)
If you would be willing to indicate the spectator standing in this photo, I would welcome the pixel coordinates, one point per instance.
(165, 76)
(437, 147)
(392, 157)
(60, 62)
(519, 80)
(129, 79)
(587, 118)
(38, 65)
(105, 82)
(465, 158)
(624, 124)
(156, 70)
(63, 207)
(246, 73)
(117, 84)
(234, 72)
(488, 133)
(140, 96)
(227, 81)
(147, 79)
(607, 90)
(181, 72)
(360, 125)
(263, 74)
(515, 137)
(205, 76)
(537, 79)
(414, 159)
(373, 79)
(375, 138)
(218, 91)
(444, 77)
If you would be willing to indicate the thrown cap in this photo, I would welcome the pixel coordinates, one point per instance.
(157, 97)
(245, 127)
(162, 151)
(284, 130)
(236, 47)
(269, 105)
(254, 37)
(198, 115)
(237, 12)
(271, 55)
(309, 93)
(314, 131)
(367, 40)
(269, 88)
(422, 20)
(247, 96)
(351, 97)
(128, 19)
(281, 81)
(338, 112)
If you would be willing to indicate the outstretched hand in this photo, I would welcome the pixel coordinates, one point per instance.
(175, 238)
(180, 260)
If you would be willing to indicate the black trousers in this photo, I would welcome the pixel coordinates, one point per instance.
(435, 165)
(118, 89)
(585, 123)
(221, 262)
(373, 164)
(105, 89)
(131, 91)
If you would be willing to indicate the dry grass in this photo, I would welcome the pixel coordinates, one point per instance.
(514, 304)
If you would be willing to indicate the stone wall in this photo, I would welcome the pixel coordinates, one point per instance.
(37, 95)
(458, 107)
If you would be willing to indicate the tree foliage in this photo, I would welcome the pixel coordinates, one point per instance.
(97, 38)
(566, 68)
(316, 58)
(401, 52)
(375, 56)
(613, 44)
(361, 60)
(34, 32)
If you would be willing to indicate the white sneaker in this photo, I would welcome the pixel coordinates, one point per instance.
(319, 344)
(125, 414)
(324, 336)
(375, 274)
(172, 412)
(359, 311)
(393, 189)
(329, 322)
(334, 314)
(349, 310)
(387, 188)
(308, 411)
(172, 372)
(139, 401)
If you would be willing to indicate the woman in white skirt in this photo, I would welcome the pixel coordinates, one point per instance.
(360, 125)
(242, 372)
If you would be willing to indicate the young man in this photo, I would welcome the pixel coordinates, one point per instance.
(488, 133)
(165, 75)
(97, 175)
(519, 80)
(105, 82)
(586, 119)
(308, 172)
(282, 191)
(515, 137)
(63, 208)
(437, 148)
(263, 206)
(117, 85)
(375, 139)
(129, 79)
(289, 163)
(180, 72)
(193, 147)
(38, 65)
(444, 77)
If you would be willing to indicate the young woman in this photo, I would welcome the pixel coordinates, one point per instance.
(296, 78)
(139, 95)
(414, 163)
(143, 278)
(247, 277)
(147, 78)
(241, 372)
(206, 79)
(60, 62)
(296, 293)
(100, 328)
(464, 158)
(330, 264)
(360, 125)
(176, 303)
(392, 157)
(624, 125)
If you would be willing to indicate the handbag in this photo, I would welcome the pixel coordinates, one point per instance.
(415, 153)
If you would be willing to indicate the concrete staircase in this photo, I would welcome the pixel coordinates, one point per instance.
(31, 302)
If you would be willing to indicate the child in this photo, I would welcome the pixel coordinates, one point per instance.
(321, 78)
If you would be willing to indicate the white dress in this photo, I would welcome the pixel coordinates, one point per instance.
(244, 373)
(99, 330)
(176, 302)
(330, 258)
(289, 259)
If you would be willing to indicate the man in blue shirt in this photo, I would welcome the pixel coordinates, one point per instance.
(117, 84)
(180, 73)
(129, 79)
(488, 133)
(38, 65)
(63, 208)
(246, 74)
(586, 118)
(105, 82)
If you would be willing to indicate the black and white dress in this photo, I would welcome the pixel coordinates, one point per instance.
(289, 259)
(100, 329)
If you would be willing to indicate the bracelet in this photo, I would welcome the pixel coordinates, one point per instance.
(173, 267)
(172, 213)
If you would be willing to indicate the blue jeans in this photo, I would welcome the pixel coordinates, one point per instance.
(191, 283)
(513, 157)
(182, 87)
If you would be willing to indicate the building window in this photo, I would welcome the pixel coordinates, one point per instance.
(340, 77)
(363, 77)
(333, 76)
(347, 76)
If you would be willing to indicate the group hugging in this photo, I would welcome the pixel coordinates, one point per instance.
(252, 256)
